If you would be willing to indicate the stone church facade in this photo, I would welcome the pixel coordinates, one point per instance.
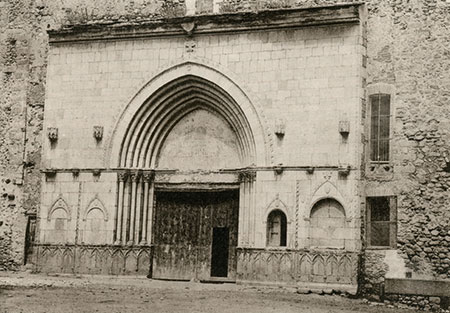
(197, 149)
(239, 143)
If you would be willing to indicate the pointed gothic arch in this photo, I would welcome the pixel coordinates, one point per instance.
(147, 120)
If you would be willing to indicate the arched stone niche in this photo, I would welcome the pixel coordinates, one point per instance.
(57, 231)
(95, 223)
(328, 226)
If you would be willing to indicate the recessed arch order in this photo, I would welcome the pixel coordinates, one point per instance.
(153, 112)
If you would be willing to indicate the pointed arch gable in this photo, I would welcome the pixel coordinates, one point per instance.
(95, 204)
(327, 191)
(277, 204)
(149, 115)
(59, 203)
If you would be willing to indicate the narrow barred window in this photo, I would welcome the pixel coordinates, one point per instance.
(380, 108)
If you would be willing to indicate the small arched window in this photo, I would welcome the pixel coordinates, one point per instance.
(276, 229)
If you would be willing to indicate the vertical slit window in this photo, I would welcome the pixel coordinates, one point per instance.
(380, 127)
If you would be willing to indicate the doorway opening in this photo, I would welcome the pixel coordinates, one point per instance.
(30, 234)
(219, 252)
(195, 235)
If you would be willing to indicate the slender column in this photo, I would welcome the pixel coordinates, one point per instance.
(122, 177)
(254, 210)
(126, 210)
(147, 178)
(250, 211)
(241, 214)
(246, 177)
(250, 177)
(137, 227)
(134, 180)
(151, 195)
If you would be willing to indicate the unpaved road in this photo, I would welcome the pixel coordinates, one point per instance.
(36, 294)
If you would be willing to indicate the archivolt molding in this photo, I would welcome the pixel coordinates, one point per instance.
(60, 203)
(150, 115)
(277, 204)
(95, 204)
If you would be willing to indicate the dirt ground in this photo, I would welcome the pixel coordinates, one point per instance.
(38, 293)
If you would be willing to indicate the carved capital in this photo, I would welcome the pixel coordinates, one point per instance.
(123, 176)
(135, 176)
(247, 176)
(148, 176)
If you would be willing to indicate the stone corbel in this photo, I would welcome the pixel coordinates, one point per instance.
(49, 173)
(52, 134)
(344, 171)
(98, 133)
(278, 169)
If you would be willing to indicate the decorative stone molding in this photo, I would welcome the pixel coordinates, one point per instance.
(52, 134)
(215, 23)
(98, 133)
(326, 190)
(277, 204)
(383, 171)
(259, 143)
(94, 259)
(300, 267)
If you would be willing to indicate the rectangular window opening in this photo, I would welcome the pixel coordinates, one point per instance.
(382, 222)
(380, 120)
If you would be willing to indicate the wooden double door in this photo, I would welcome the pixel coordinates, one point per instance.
(195, 235)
